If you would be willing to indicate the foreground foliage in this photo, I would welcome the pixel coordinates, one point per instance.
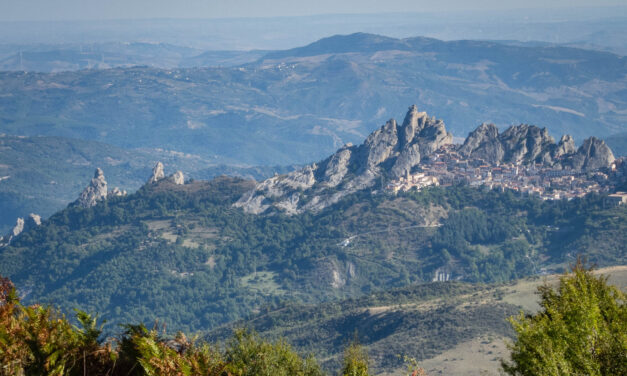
(581, 330)
(36, 340)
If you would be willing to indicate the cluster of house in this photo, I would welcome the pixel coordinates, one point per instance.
(418, 181)
(447, 167)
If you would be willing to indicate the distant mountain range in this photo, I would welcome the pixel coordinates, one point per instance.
(70, 57)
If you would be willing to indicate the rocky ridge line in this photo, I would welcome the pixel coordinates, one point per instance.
(387, 153)
(392, 151)
(527, 144)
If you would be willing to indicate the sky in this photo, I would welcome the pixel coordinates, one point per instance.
(59, 10)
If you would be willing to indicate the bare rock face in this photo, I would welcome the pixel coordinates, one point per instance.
(33, 220)
(94, 192)
(17, 229)
(157, 173)
(591, 155)
(337, 167)
(527, 144)
(388, 152)
(381, 144)
(177, 178)
(408, 158)
(565, 146)
(484, 143)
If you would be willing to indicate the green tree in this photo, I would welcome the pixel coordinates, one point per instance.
(580, 330)
(355, 362)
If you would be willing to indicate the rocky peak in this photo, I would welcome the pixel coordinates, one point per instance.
(94, 192)
(381, 143)
(388, 152)
(157, 173)
(526, 144)
(414, 122)
(484, 143)
(591, 155)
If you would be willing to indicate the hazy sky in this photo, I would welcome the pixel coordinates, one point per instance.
(53, 10)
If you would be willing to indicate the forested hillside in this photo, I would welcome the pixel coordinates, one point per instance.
(183, 254)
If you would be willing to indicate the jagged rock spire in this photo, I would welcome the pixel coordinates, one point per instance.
(157, 173)
(388, 152)
(527, 144)
(94, 192)
(591, 155)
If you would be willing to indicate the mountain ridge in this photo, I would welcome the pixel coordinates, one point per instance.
(393, 151)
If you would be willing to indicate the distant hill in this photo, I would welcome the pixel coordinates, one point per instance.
(299, 105)
(71, 57)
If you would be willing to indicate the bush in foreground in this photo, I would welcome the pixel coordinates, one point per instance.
(581, 329)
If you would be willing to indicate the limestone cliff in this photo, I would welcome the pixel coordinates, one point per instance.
(387, 153)
(527, 144)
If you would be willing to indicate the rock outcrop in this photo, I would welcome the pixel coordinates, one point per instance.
(32, 221)
(116, 192)
(388, 153)
(565, 146)
(527, 144)
(157, 173)
(177, 178)
(591, 155)
(484, 143)
(21, 225)
(94, 192)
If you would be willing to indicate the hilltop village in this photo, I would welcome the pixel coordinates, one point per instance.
(446, 166)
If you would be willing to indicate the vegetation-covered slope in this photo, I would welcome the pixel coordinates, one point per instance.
(185, 255)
